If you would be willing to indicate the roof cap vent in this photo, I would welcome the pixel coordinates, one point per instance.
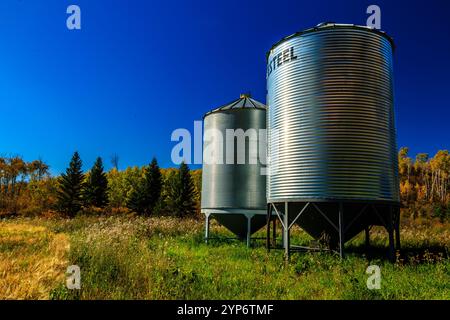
(245, 95)
(324, 24)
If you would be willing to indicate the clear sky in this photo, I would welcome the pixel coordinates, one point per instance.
(138, 69)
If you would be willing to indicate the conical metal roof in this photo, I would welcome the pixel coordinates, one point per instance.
(244, 102)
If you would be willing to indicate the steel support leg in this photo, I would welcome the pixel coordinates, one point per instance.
(286, 232)
(367, 232)
(341, 230)
(269, 215)
(391, 235)
(397, 229)
(249, 230)
(207, 227)
(274, 236)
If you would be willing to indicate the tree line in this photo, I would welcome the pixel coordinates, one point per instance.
(17, 177)
(29, 188)
(14, 171)
(424, 183)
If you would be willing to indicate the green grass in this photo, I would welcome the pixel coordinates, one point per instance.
(166, 258)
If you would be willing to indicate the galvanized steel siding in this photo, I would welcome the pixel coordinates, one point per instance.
(234, 186)
(333, 110)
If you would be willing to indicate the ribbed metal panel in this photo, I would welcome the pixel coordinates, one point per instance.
(233, 186)
(330, 117)
(233, 192)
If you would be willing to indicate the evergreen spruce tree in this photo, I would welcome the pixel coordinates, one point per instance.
(153, 186)
(146, 194)
(181, 192)
(135, 200)
(96, 187)
(70, 187)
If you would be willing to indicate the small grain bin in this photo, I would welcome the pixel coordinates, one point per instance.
(331, 133)
(233, 178)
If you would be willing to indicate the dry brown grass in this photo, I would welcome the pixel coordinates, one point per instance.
(132, 257)
(32, 260)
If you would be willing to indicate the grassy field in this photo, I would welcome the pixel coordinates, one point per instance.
(128, 257)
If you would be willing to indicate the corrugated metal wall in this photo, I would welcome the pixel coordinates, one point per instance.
(330, 102)
(234, 186)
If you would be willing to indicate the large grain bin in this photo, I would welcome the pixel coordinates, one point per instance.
(331, 132)
(233, 179)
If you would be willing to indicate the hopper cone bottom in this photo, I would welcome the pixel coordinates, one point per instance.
(237, 223)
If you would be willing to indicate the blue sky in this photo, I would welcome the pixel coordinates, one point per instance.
(139, 69)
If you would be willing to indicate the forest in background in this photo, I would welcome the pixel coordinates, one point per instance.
(424, 184)
(27, 188)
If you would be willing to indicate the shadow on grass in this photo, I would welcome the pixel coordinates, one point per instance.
(407, 255)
